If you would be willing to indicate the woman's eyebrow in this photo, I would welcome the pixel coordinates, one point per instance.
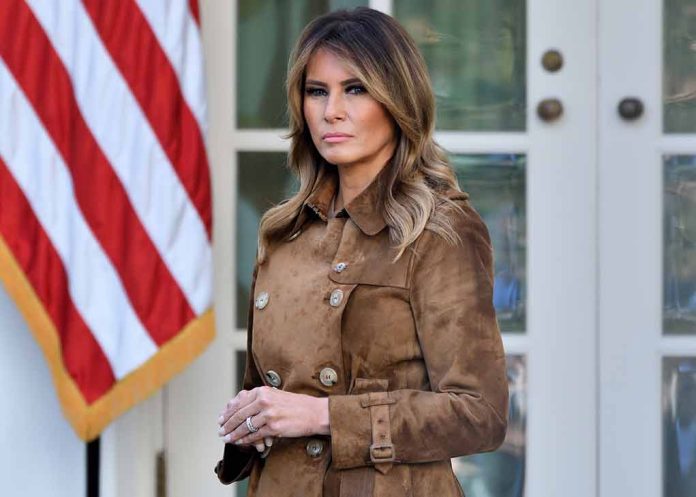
(321, 83)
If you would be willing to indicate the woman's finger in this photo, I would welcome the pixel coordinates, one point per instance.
(225, 414)
(253, 438)
(241, 400)
(258, 420)
(230, 408)
(252, 404)
(237, 423)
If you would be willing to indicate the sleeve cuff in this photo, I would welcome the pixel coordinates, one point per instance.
(351, 431)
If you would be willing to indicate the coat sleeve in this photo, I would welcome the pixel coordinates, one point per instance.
(465, 411)
(237, 462)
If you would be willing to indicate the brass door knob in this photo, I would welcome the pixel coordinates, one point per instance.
(552, 60)
(631, 108)
(550, 109)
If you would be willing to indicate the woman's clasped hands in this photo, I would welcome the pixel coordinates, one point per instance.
(255, 417)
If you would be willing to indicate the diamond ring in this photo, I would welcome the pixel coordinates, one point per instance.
(250, 425)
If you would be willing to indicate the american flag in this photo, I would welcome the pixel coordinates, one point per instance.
(105, 203)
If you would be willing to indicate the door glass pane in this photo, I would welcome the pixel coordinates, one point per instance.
(501, 473)
(679, 426)
(679, 52)
(263, 182)
(266, 32)
(679, 264)
(476, 54)
(496, 185)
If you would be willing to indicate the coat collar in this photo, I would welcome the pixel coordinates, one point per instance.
(364, 210)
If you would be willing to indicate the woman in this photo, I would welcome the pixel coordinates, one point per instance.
(373, 350)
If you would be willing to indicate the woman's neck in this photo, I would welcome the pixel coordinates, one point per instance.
(352, 180)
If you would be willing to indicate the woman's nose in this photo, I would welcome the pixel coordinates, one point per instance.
(335, 107)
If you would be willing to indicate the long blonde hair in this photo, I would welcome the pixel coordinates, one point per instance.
(385, 58)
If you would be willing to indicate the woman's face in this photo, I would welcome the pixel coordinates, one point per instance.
(348, 126)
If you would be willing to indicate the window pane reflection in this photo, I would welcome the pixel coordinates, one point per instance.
(679, 52)
(476, 54)
(501, 473)
(679, 426)
(263, 182)
(266, 32)
(496, 185)
(679, 264)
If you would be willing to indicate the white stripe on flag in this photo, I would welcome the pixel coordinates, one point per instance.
(125, 137)
(179, 37)
(94, 286)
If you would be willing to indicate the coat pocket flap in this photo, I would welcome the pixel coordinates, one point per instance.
(366, 385)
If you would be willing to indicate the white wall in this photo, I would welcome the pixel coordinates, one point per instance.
(39, 453)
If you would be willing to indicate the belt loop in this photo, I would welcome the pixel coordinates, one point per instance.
(382, 450)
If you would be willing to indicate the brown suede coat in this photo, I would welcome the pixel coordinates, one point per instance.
(419, 361)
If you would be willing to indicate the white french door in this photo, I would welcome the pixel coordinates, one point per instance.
(647, 245)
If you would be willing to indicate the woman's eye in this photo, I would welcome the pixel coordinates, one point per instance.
(315, 92)
(356, 89)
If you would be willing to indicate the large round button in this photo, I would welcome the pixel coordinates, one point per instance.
(315, 448)
(273, 378)
(328, 377)
(336, 297)
(340, 267)
(262, 300)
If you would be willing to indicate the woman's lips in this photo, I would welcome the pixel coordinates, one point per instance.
(335, 137)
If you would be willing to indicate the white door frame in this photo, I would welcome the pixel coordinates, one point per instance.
(562, 322)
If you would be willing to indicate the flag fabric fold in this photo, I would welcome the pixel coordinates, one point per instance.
(105, 194)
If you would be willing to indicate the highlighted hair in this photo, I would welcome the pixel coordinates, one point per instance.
(380, 52)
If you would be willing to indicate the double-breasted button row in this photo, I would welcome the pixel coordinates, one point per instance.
(335, 299)
(314, 448)
(327, 376)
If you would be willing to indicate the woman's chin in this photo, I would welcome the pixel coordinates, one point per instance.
(338, 158)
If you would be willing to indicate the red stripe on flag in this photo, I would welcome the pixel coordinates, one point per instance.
(156, 298)
(83, 357)
(144, 65)
(193, 7)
